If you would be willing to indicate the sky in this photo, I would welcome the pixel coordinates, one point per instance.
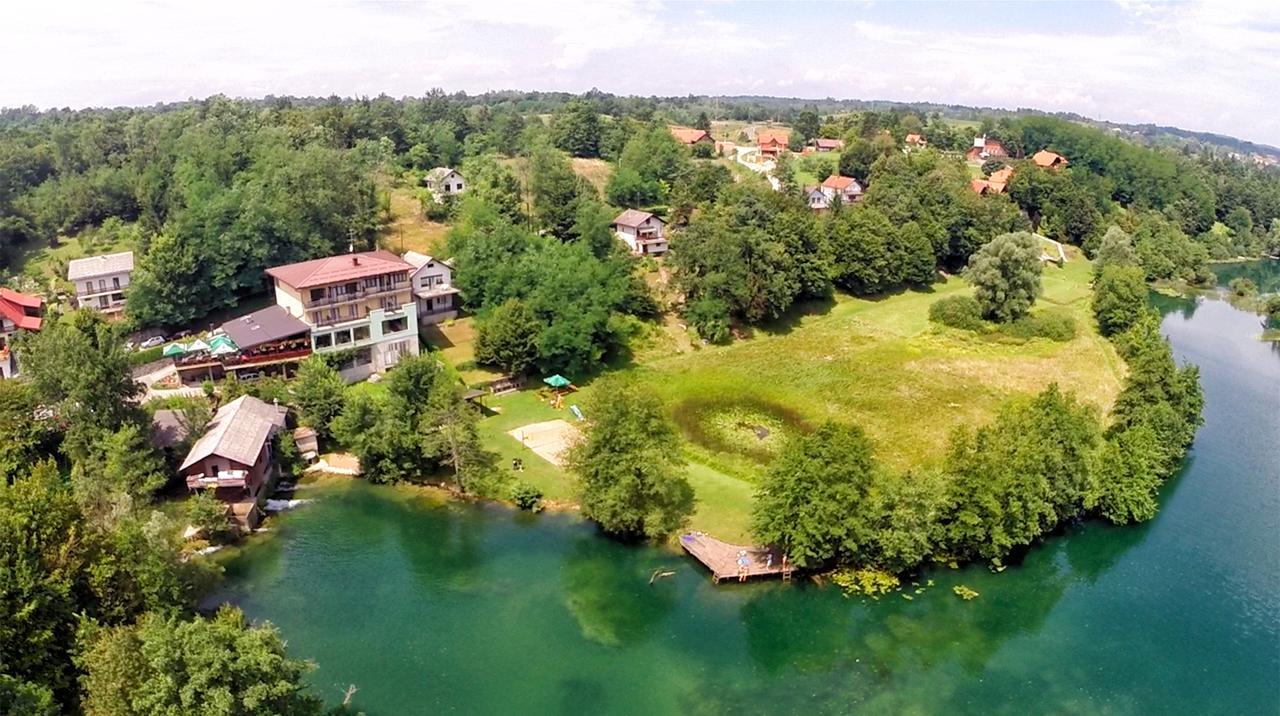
(1211, 67)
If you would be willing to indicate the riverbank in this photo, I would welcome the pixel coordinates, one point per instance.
(1096, 619)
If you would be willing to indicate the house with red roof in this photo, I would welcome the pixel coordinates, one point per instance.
(1046, 159)
(847, 189)
(772, 142)
(915, 141)
(18, 312)
(689, 136)
(823, 145)
(985, 148)
(357, 303)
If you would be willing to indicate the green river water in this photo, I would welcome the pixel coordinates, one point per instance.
(431, 608)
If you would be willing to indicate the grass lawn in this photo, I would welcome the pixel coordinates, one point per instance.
(595, 171)
(456, 342)
(41, 262)
(409, 230)
(877, 362)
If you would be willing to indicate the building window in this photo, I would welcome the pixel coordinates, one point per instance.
(102, 301)
(351, 288)
(115, 282)
(102, 284)
(395, 325)
(362, 333)
(317, 294)
(342, 338)
(324, 340)
(364, 356)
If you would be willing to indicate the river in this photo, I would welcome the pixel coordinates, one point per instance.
(431, 608)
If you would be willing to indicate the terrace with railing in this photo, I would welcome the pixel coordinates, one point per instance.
(229, 478)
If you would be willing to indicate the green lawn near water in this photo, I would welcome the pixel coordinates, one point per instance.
(876, 362)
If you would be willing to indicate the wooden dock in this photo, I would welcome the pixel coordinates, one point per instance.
(723, 558)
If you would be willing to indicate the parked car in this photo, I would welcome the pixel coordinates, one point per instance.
(153, 341)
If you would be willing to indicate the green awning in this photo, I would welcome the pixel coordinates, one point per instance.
(219, 341)
(174, 349)
(556, 381)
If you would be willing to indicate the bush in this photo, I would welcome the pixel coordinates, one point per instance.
(526, 496)
(961, 312)
(146, 356)
(208, 514)
(709, 318)
(1049, 324)
(1243, 287)
(704, 151)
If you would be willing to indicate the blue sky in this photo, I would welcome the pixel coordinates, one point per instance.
(1197, 66)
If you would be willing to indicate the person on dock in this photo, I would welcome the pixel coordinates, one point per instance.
(743, 563)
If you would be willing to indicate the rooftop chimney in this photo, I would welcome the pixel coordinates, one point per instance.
(355, 260)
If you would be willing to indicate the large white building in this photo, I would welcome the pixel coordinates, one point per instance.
(359, 302)
(100, 281)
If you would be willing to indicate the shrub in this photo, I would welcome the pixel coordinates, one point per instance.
(961, 312)
(526, 496)
(1243, 287)
(1049, 324)
(146, 356)
(208, 514)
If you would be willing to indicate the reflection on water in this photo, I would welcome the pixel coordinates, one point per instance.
(475, 609)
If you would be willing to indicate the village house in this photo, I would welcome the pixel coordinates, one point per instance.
(642, 232)
(846, 188)
(816, 198)
(100, 281)
(361, 303)
(985, 148)
(690, 136)
(994, 184)
(433, 289)
(915, 141)
(443, 182)
(266, 343)
(234, 457)
(18, 312)
(1046, 159)
(772, 142)
(823, 145)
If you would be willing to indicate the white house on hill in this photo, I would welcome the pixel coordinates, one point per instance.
(642, 232)
(443, 181)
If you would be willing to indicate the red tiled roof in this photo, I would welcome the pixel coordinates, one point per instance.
(835, 181)
(13, 306)
(773, 136)
(823, 143)
(688, 135)
(979, 185)
(335, 269)
(914, 139)
(1046, 158)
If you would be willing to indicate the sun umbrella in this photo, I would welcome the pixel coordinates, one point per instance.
(221, 349)
(197, 345)
(556, 381)
(174, 349)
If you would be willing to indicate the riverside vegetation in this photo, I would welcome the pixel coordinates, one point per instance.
(210, 193)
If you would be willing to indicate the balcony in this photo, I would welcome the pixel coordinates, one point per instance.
(359, 294)
(230, 478)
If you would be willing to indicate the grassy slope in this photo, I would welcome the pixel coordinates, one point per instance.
(409, 230)
(879, 363)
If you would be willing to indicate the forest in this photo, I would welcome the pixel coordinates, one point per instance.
(99, 602)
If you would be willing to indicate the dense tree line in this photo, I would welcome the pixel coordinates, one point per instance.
(1042, 462)
(98, 595)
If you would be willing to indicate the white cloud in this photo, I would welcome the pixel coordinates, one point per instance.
(1193, 65)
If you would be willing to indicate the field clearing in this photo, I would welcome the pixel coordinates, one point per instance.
(456, 342)
(595, 171)
(409, 230)
(878, 363)
(40, 262)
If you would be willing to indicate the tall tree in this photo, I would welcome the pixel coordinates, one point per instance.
(318, 391)
(220, 665)
(576, 129)
(816, 501)
(1005, 274)
(630, 479)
